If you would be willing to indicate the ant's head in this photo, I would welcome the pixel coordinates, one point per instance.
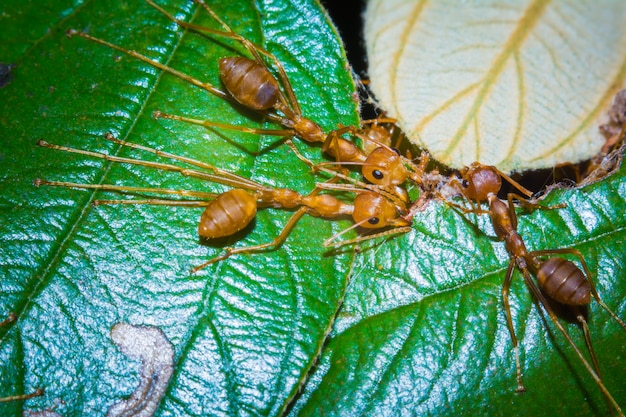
(384, 167)
(479, 181)
(373, 211)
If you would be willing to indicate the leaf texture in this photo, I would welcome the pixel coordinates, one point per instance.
(425, 334)
(244, 332)
(421, 328)
(516, 84)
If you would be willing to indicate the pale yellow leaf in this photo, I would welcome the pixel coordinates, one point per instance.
(516, 84)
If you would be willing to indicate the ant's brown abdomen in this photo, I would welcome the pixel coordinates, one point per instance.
(564, 282)
(250, 83)
(227, 214)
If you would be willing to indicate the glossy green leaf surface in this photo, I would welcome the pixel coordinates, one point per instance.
(425, 332)
(421, 329)
(246, 331)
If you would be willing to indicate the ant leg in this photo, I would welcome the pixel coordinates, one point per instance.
(592, 286)
(379, 119)
(232, 179)
(222, 177)
(255, 50)
(594, 359)
(529, 205)
(417, 206)
(203, 85)
(546, 305)
(465, 210)
(514, 183)
(509, 322)
(455, 185)
(256, 248)
(10, 318)
(420, 169)
(339, 147)
(181, 75)
(392, 131)
(124, 189)
(206, 123)
(340, 172)
(274, 243)
(38, 393)
(357, 186)
(329, 243)
(155, 202)
(228, 34)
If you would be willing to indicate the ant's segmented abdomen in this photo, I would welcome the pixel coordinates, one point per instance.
(249, 83)
(564, 282)
(227, 214)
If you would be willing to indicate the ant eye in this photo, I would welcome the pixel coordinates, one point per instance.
(374, 220)
(465, 183)
(377, 174)
(396, 150)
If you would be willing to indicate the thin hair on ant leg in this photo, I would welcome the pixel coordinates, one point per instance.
(557, 278)
(229, 212)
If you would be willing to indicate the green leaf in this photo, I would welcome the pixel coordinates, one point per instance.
(516, 84)
(245, 332)
(421, 330)
(425, 331)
